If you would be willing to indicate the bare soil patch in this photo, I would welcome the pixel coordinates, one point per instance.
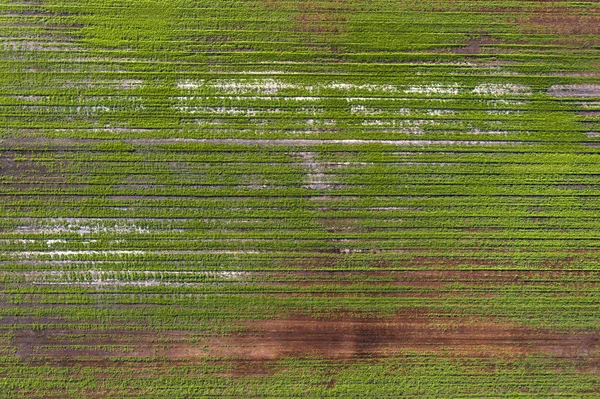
(367, 337)
(342, 337)
(324, 18)
(563, 21)
(474, 46)
(9, 166)
(575, 90)
(316, 178)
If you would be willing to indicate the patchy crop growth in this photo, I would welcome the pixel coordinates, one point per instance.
(299, 199)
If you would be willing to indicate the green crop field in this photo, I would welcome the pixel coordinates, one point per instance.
(299, 199)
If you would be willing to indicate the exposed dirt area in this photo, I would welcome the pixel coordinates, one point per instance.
(474, 46)
(324, 17)
(315, 19)
(316, 178)
(578, 90)
(561, 20)
(10, 166)
(575, 90)
(344, 337)
(356, 337)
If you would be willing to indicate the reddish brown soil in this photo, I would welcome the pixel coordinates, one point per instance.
(355, 337)
(563, 21)
(325, 17)
(343, 337)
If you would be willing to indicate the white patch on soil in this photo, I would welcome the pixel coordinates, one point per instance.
(317, 179)
(81, 227)
(29, 45)
(432, 89)
(439, 112)
(362, 87)
(127, 277)
(274, 86)
(28, 254)
(501, 102)
(315, 142)
(360, 109)
(502, 112)
(490, 132)
(52, 242)
(377, 122)
(589, 104)
(504, 89)
(239, 86)
(228, 110)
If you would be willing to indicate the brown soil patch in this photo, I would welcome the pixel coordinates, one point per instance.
(324, 18)
(9, 166)
(591, 114)
(563, 21)
(252, 350)
(575, 90)
(474, 46)
(357, 337)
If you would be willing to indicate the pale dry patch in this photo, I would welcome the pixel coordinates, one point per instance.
(345, 87)
(316, 142)
(240, 86)
(317, 179)
(377, 122)
(29, 45)
(274, 86)
(589, 104)
(241, 111)
(503, 112)
(136, 278)
(575, 90)
(495, 89)
(321, 122)
(60, 254)
(433, 89)
(82, 228)
(56, 241)
(489, 132)
(29, 98)
(124, 84)
(439, 112)
(376, 99)
(503, 102)
(289, 98)
(360, 109)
